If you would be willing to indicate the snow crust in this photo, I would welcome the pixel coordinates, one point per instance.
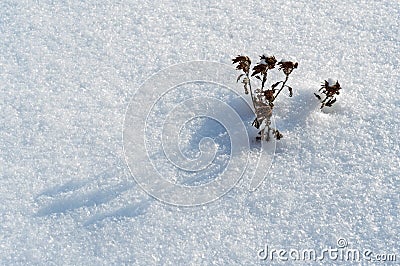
(331, 81)
(68, 71)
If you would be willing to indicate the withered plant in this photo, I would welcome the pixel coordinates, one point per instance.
(263, 98)
(329, 89)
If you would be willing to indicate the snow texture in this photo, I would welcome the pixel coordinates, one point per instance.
(68, 70)
(263, 62)
(331, 82)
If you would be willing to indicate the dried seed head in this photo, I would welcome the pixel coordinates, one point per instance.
(269, 95)
(260, 68)
(330, 88)
(270, 61)
(287, 66)
(266, 62)
(244, 63)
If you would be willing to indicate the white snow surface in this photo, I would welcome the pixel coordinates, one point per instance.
(331, 81)
(262, 62)
(68, 70)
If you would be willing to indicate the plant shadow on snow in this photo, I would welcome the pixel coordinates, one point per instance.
(98, 190)
(301, 105)
(107, 187)
(132, 210)
(87, 199)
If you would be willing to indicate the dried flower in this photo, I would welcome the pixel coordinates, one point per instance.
(287, 66)
(266, 62)
(329, 88)
(244, 63)
(269, 95)
(269, 60)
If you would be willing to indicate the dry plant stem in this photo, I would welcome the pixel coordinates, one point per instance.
(251, 91)
(283, 86)
(264, 80)
(324, 102)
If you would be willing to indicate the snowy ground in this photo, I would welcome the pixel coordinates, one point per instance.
(68, 71)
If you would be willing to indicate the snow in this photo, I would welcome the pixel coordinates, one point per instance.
(331, 82)
(69, 72)
(262, 62)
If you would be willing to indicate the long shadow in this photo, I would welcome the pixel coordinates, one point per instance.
(75, 194)
(85, 199)
(132, 210)
(74, 184)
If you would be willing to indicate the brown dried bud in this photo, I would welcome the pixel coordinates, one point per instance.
(266, 62)
(287, 66)
(270, 61)
(244, 63)
(259, 69)
(269, 95)
(329, 88)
